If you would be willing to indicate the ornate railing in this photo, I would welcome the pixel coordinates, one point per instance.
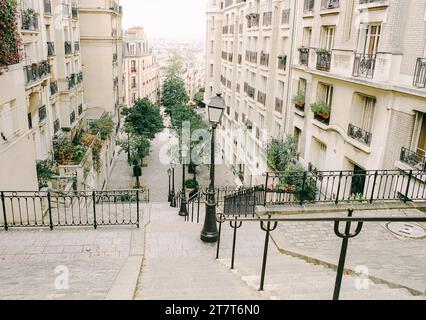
(304, 56)
(419, 80)
(71, 81)
(29, 20)
(50, 48)
(364, 65)
(359, 134)
(244, 202)
(68, 47)
(36, 71)
(323, 60)
(414, 159)
(72, 118)
(71, 209)
(42, 113)
(77, 46)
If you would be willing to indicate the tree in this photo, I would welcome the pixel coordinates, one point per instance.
(199, 97)
(104, 125)
(45, 172)
(138, 146)
(282, 153)
(143, 119)
(173, 90)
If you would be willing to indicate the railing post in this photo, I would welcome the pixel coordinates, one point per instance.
(49, 202)
(408, 186)
(374, 187)
(268, 230)
(266, 189)
(235, 225)
(137, 209)
(6, 227)
(302, 193)
(338, 187)
(221, 221)
(95, 225)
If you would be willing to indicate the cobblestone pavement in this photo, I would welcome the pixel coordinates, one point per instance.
(385, 255)
(29, 259)
(121, 175)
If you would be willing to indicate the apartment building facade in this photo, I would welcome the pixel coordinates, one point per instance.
(346, 78)
(140, 68)
(361, 67)
(248, 43)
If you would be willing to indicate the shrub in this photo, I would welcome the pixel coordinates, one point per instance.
(191, 184)
(299, 98)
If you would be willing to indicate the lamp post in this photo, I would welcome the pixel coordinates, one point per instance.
(183, 210)
(169, 173)
(172, 195)
(215, 111)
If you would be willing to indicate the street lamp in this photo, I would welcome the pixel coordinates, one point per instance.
(210, 233)
(172, 195)
(183, 210)
(169, 173)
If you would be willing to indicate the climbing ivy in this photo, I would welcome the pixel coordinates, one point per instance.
(10, 40)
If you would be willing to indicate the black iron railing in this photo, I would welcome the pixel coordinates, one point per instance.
(42, 113)
(344, 187)
(329, 4)
(76, 46)
(71, 80)
(79, 77)
(74, 11)
(71, 209)
(68, 47)
(72, 118)
(419, 80)
(264, 59)
(36, 71)
(304, 56)
(324, 60)
(50, 48)
(29, 20)
(359, 134)
(269, 224)
(244, 202)
(364, 65)
(414, 159)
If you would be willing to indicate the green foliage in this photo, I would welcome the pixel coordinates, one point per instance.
(191, 184)
(199, 96)
(144, 118)
(67, 152)
(10, 39)
(96, 155)
(45, 172)
(297, 180)
(248, 124)
(322, 50)
(282, 153)
(173, 91)
(299, 98)
(138, 146)
(320, 107)
(104, 126)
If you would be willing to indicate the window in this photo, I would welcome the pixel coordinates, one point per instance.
(307, 36)
(370, 37)
(327, 37)
(325, 93)
(318, 154)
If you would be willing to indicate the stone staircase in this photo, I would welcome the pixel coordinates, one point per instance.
(178, 265)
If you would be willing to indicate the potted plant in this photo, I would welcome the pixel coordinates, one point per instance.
(322, 51)
(282, 57)
(303, 49)
(321, 109)
(248, 124)
(299, 100)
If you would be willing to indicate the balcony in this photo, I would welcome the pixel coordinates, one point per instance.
(329, 4)
(264, 59)
(323, 60)
(29, 20)
(282, 62)
(414, 159)
(42, 114)
(68, 47)
(252, 20)
(359, 134)
(72, 118)
(79, 77)
(50, 49)
(261, 97)
(53, 88)
(364, 65)
(285, 16)
(47, 7)
(71, 80)
(74, 11)
(419, 80)
(36, 71)
(279, 105)
(251, 56)
(80, 109)
(56, 126)
(267, 18)
(77, 46)
(303, 56)
(308, 6)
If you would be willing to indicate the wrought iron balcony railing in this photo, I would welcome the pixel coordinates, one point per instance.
(323, 60)
(329, 4)
(303, 56)
(36, 71)
(50, 48)
(77, 46)
(419, 80)
(47, 7)
(71, 80)
(53, 87)
(42, 113)
(74, 11)
(56, 126)
(29, 20)
(414, 159)
(364, 65)
(79, 77)
(249, 90)
(359, 134)
(253, 20)
(264, 59)
(230, 57)
(72, 118)
(68, 47)
(80, 109)
(267, 18)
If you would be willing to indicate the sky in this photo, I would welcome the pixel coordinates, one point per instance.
(170, 19)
